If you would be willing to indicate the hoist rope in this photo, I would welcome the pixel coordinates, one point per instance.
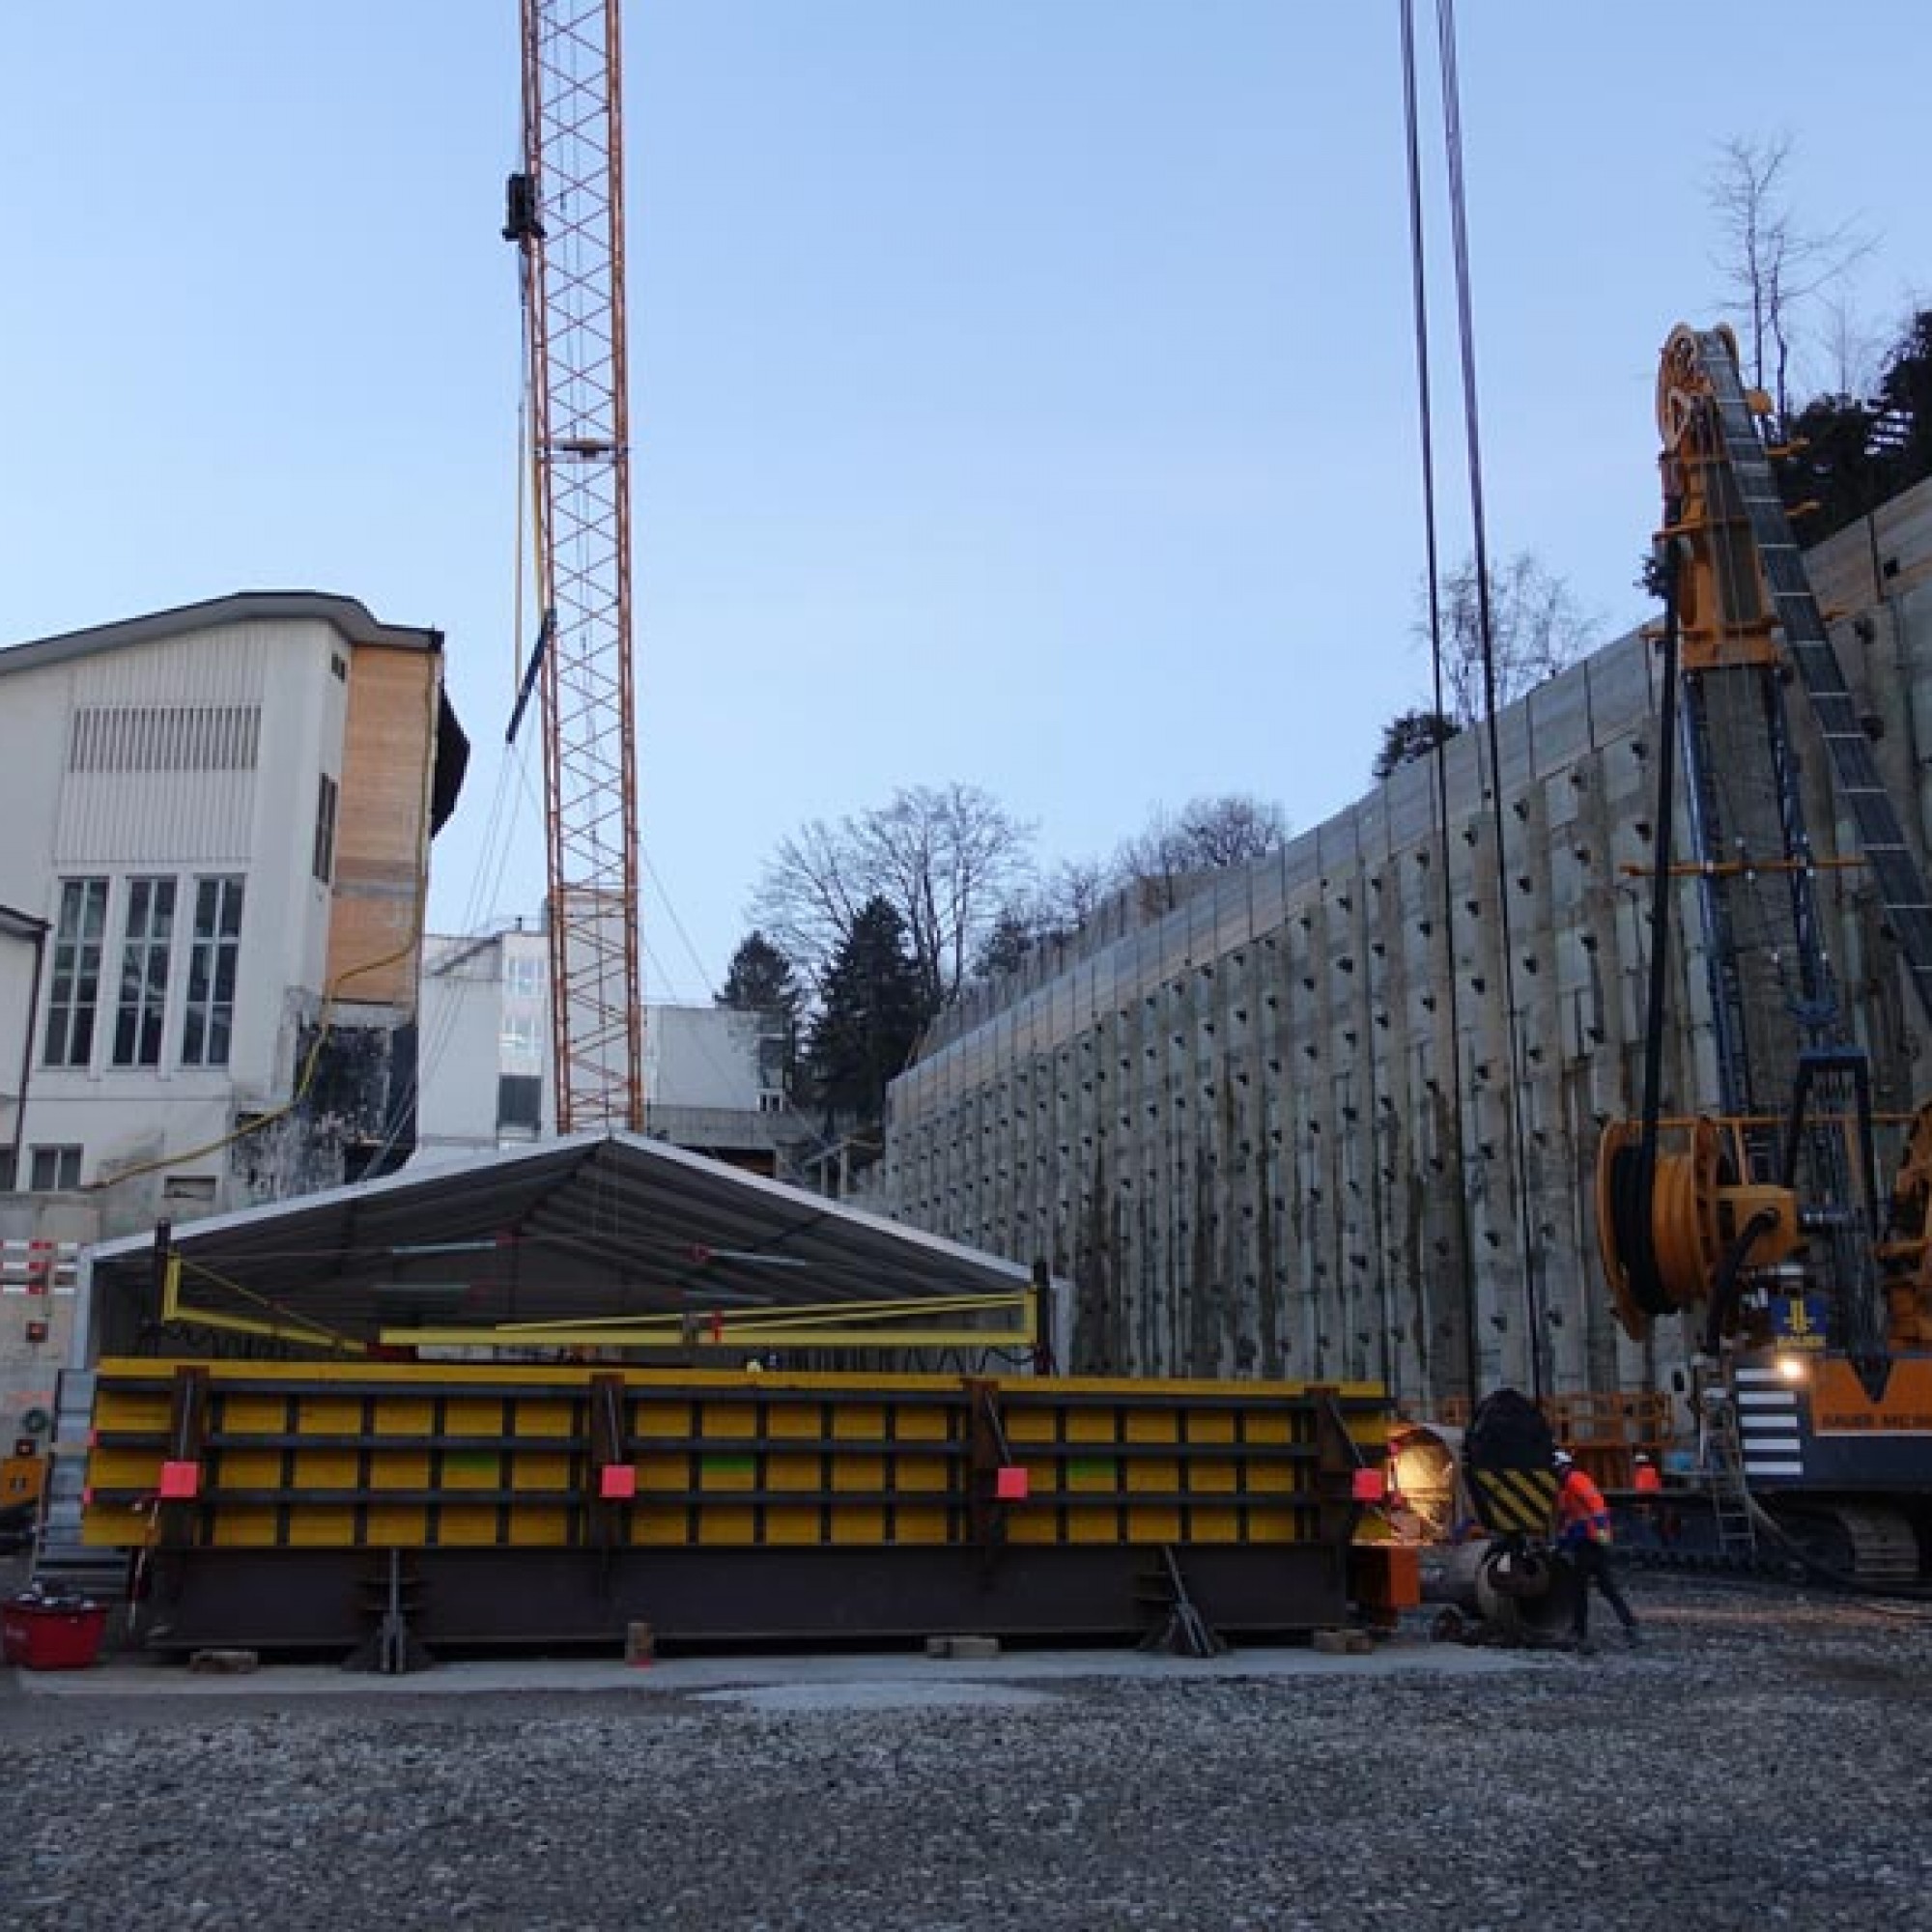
(1452, 134)
(1466, 1259)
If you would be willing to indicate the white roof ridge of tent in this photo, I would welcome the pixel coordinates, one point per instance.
(419, 1174)
(578, 1228)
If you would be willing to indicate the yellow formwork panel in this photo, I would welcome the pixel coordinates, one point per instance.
(335, 1455)
(658, 1528)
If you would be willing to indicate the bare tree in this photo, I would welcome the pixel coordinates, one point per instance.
(1205, 834)
(1231, 829)
(1853, 353)
(947, 859)
(1536, 629)
(1071, 893)
(1047, 913)
(1772, 265)
(809, 895)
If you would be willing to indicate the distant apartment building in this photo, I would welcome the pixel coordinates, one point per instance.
(484, 1029)
(714, 1078)
(217, 832)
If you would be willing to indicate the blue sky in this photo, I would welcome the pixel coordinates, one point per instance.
(1022, 390)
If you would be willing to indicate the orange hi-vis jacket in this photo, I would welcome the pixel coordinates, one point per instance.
(1648, 1478)
(1581, 1514)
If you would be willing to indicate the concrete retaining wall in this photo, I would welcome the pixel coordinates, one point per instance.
(1232, 1127)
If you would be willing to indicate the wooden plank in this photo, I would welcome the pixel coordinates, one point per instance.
(382, 833)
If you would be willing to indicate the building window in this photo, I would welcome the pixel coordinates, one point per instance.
(524, 976)
(54, 1169)
(165, 738)
(144, 972)
(325, 828)
(518, 1104)
(74, 989)
(521, 1044)
(208, 1018)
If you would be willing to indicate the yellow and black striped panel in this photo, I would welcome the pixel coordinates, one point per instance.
(444, 1455)
(1519, 1502)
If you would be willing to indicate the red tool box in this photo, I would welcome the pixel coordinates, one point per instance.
(51, 1632)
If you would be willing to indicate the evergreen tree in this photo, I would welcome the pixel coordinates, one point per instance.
(1905, 393)
(761, 981)
(1836, 474)
(1410, 736)
(872, 1013)
(1850, 454)
(1005, 947)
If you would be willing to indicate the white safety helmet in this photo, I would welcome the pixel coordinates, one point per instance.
(1563, 1459)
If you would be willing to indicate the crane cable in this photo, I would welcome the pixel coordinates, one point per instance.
(1452, 136)
(1439, 755)
(496, 839)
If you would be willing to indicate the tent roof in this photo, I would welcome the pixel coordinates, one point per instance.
(591, 1225)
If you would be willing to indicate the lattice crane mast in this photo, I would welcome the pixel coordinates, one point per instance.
(565, 212)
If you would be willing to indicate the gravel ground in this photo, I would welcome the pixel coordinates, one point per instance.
(1761, 1762)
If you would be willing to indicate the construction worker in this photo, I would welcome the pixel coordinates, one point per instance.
(1659, 1519)
(1647, 1480)
(1584, 1535)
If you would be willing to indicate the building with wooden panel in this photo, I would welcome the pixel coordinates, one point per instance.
(218, 834)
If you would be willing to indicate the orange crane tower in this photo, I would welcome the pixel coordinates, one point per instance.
(565, 212)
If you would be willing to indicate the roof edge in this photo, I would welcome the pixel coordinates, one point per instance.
(352, 620)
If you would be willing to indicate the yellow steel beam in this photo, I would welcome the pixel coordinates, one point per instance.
(1729, 868)
(824, 1325)
(568, 1335)
(274, 1331)
(802, 1313)
(279, 1325)
(827, 1324)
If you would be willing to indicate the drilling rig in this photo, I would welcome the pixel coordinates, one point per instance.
(1812, 1366)
(564, 211)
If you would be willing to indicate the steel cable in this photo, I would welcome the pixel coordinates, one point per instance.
(1438, 755)
(1452, 134)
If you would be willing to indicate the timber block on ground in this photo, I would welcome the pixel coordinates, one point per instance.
(963, 1648)
(1342, 1642)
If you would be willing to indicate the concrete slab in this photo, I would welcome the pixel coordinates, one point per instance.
(785, 1700)
(856, 1679)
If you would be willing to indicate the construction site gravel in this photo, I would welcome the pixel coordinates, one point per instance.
(1761, 1760)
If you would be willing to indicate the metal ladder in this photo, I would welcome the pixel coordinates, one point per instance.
(61, 1560)
(1725, 1476)
(1901, 886)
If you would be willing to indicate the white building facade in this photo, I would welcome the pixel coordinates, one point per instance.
(714, 1077)
(218, 822)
